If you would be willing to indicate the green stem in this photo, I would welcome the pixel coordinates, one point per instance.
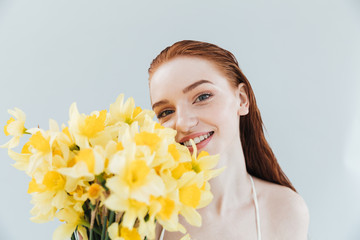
(93, 216)
(104, 228)
(98, 220)
(97, 231)
(111, 220)
(84, 223)
(91, 233)
(73, 236)
(87, 225)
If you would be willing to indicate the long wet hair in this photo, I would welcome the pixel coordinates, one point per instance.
(259, 158)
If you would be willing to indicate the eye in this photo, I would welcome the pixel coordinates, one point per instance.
(164, 113)
(202, 97)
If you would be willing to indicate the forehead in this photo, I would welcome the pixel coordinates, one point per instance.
(178, 73)
(185, 67)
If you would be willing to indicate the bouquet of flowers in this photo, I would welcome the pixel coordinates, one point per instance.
(111, 174)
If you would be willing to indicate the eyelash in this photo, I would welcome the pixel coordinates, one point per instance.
(203, 94)
(208, 95)
(160, 114)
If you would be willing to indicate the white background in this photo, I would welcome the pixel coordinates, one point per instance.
(301, 57)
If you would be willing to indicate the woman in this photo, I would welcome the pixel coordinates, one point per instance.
(198, 89)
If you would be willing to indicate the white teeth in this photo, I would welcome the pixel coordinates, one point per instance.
(197, 140)
(187, 144)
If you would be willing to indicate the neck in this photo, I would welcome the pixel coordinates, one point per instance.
(232, 188)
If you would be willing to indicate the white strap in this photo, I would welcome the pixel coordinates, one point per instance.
(162, 234)
(256, 209)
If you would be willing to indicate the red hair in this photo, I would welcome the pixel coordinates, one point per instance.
(259, 158)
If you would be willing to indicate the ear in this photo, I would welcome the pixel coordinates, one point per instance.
(243, 99)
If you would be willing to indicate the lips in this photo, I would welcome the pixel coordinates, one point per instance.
(199, 139)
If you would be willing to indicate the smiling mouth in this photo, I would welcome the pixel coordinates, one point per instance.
(198, 139)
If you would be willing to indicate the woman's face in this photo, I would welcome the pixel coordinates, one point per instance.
(192, 96)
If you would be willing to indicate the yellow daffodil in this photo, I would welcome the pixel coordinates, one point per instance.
(118, 232)
(166, 210)
(43, 211)
(72, 220)
(14, 127)
(205, 163)
(160, 140)
(22, 159)
(77, 188)
(93, 124)
(40, 148)
(47, 203)
(148, 139)
(133, 209)
(40, 143)
(85, 127)
(190, 196)
(127, 112)
(48, 196)
(132, 187)
(138, 180)
(86, 163)
(95, 191)
(122, 161)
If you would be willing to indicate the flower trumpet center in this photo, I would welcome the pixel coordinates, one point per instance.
(190, 195)
(137, 173)
(128, 234)
(54, 181)
(95, 191)
(147, 138)
(39, 142)
(174, 152)
(86, 156)
(167, 208)
(93, 124)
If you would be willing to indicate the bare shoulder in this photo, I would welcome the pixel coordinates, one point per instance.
(285, 209)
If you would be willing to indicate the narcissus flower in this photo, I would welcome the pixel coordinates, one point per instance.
(205, 163)
(95, 191)
(85, 127)
(131, 190)
(121, 112)
(22, 159)
(39, 143)
(14, 127)
(48, 196)
(111, 166)
(73, 220)
(87, 163)
(118, 232)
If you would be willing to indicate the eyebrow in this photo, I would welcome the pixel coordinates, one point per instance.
(185, 90)
(194, 85)
(162, 102)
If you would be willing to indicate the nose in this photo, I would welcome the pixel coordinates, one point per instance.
(186, 120)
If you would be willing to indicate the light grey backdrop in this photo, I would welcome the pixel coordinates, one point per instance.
(302, 58)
